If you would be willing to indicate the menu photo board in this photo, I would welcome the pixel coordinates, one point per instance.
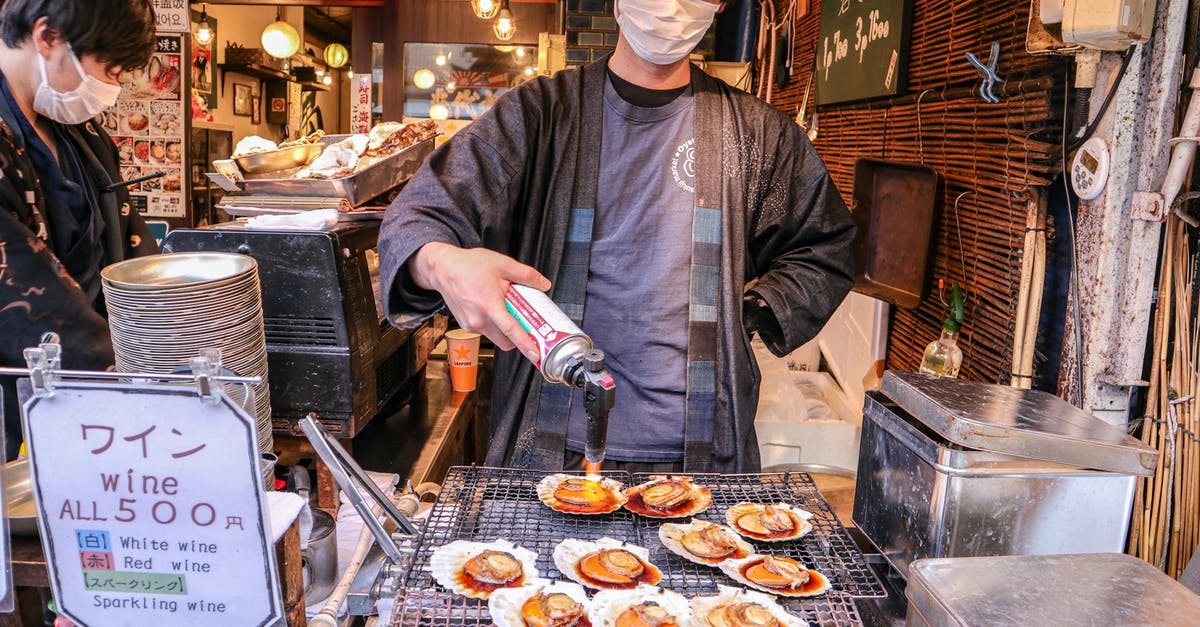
(862, 49)
(152, 511)
(148, 126)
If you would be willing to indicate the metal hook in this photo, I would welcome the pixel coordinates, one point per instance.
(988, 70)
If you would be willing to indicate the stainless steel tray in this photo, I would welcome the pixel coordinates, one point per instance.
(358, 188)
(1025, 423)
(1061, 590)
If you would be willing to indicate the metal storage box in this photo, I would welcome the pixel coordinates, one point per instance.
(951, 468)
(1060, 590)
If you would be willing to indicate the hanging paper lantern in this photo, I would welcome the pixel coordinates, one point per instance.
(280, 40)
(336, 55)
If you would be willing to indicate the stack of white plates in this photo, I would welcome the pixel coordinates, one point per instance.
(163, 310)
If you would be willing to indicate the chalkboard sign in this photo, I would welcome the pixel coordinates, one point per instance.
(862, 49)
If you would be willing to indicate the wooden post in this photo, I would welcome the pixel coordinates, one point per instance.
(291, 576)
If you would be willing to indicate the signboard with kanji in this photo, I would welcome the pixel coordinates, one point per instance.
(151, 511)
(360, 104)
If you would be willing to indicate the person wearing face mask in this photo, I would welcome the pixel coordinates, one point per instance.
(672, 215)
(61, 219)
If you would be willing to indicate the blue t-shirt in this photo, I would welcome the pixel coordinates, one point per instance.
(637, 291)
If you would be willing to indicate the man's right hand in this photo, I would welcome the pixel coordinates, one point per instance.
(473, 283)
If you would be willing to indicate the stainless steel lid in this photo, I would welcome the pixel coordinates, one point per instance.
(1024, 423)
(1061, 590)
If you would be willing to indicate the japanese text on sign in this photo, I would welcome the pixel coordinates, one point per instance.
(165, 523)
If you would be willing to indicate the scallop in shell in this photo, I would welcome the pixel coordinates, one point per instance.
(783, 576)
(736, 607)
(769, 523)
(644, 606)
(605, 564)
(703, 542)
(476, 569)
(508, 607)
(668, 497)
(581, 494)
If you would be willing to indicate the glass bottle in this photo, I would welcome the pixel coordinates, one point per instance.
(943, 357)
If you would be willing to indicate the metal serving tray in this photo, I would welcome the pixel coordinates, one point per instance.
(1012, 421)
(358, 188)
(1060, 590)
(484, 504)
(895, 206)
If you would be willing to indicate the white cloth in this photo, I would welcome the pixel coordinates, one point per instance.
(315, 220)
(282, 510)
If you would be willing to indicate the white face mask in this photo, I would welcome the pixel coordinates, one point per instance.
(74, 107)
(664, 35)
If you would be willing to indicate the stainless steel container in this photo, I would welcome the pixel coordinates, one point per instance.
(951, 468)
(1059, 590)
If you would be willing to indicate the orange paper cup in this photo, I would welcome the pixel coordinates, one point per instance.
(462, 352)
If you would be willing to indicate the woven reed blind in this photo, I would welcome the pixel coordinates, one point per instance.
(996, 153)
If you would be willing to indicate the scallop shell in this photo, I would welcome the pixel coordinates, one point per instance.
(733, 568)
(703, 606)
(549, 485)
(737, 511)
(607, 605)
(505, 605)
(701, 498)
(569, 552)
(671, 535)
(446, 563)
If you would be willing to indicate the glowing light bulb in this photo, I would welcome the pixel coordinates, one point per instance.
(485, 9)
(328, 80)
(439, 111)
(280, 40)
(440, 60)
(451, 86)
(424, 78)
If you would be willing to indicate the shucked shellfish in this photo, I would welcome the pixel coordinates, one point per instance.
(735, 607)
(581, 494)
(644, 606)
(703, 542)
(783, 576)
(540, 604)
(605, 564)
(769, 523)
(476, 569)
(668, 497)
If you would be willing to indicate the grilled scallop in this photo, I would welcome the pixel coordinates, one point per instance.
(735, 607)
(476, 569)
(578, 494)
(668, 497)
(703, 542)
(496, 567)
(778, 575)
(541, 604)
(605, 564)
(644, 606)
(769, 523)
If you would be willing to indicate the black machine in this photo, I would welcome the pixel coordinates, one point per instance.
(330, 350)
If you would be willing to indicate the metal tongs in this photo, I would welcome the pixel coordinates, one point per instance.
(802, 114)
(353, 480)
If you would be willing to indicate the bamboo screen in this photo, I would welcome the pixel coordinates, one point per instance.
(992, 155)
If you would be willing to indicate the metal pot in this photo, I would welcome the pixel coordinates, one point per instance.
(319, 559)
(18, 494)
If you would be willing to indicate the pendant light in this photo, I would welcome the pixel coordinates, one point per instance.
(336, 55)
(505, 26)
(280, 39)
(485, 9)
(204, 31)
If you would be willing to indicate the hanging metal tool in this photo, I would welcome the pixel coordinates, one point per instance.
(988, 70)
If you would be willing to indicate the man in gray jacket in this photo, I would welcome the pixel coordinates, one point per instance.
(648, 196)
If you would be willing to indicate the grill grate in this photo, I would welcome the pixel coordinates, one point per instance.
(484, 504)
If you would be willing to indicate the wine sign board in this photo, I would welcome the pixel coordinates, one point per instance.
(150, 505)
(862, 49)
